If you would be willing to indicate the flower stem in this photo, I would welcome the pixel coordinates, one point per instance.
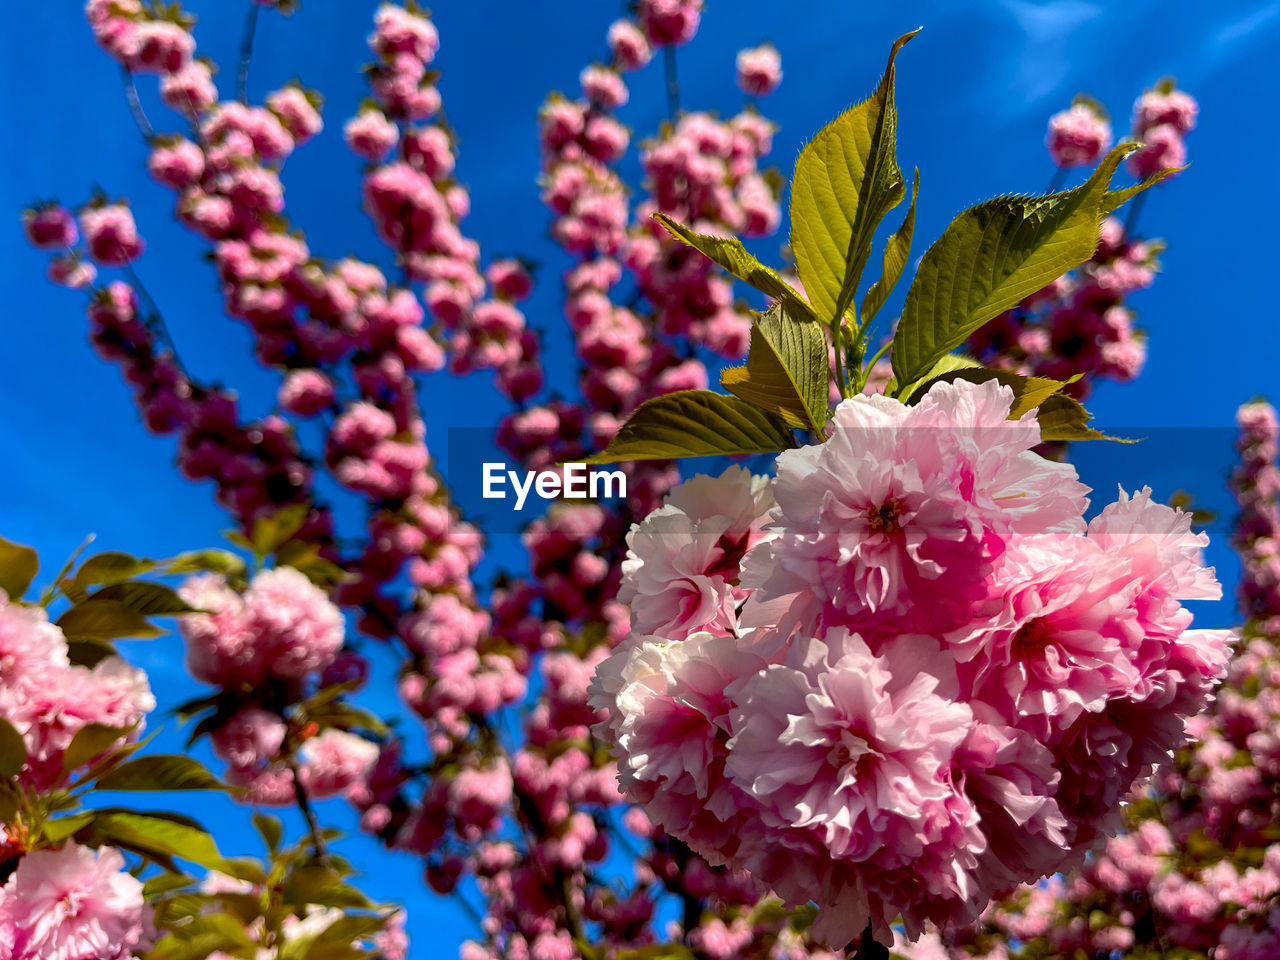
(246, 52)
(673, 84)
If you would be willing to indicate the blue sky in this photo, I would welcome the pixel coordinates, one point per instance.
(975, 90)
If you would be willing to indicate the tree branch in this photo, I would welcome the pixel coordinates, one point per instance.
(246, 52)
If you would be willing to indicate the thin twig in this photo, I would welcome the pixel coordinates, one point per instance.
(246, 51)
(1057, 180)
(156, 324)
(135, 106)
(673, 84)
(304, 804)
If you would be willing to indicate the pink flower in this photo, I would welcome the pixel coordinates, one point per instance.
(297, 628)
(1174, 107)
(222, 647)
(669, 23)
(1078, 136)
(907, 503)
(306, 392)
(112, 694)
(1162, 148)
(32, 650)
(251, 738)
(848, 756)
(335, 761)
(50, 228)
(71, 271)
(370, 134)
(668, 715)
(682, 558)
(161, 47)
(294, 109)
(759, 70)
(630, 46)
(603, 87)
(111, 234)
(191, 90)
(74, 904)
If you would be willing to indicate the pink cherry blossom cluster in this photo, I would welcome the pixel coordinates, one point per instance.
(267, 647)
(759, 70)
(48, 700)
(1162, 118)
(534, 818)
(1079, 136)
(1198, 866)
(73, 903)
(907, 675)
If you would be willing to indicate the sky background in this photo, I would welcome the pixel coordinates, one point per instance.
(975, 90)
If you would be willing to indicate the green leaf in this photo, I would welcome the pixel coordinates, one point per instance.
(148, 599)
(992, 257)
(1118, 198)
(896, 250)
(55, 831)
(696, 423)
(163, 883)
(18, 567)
(91, 741)
(199, 936)
(89, 653)
(110, 567)
(159, 835)
(1028, 392)
(787, 370)
(1065, 418)
(105, 619)
(270, 532)
(160, 771)
(207, 561)
(13, 749)
(846, 180)
(730, 254)
(271, 829)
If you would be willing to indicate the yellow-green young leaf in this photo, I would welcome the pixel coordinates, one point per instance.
(159, 835)
(1065, 418)
(105, 619)
(163, 883)
(271, 830)
(270, 532)
(945, 364)
(1028, 392)
(990, 258)
(729, 253)
(110, 567)
(55, 831)
(148, 599)
(160, 771)
(18, 567)
(786, 371)
(1118, 198)
(696, 423)
(846, 180)
(13, 749)
(213, 561)
(896, 250)
(90, 742)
